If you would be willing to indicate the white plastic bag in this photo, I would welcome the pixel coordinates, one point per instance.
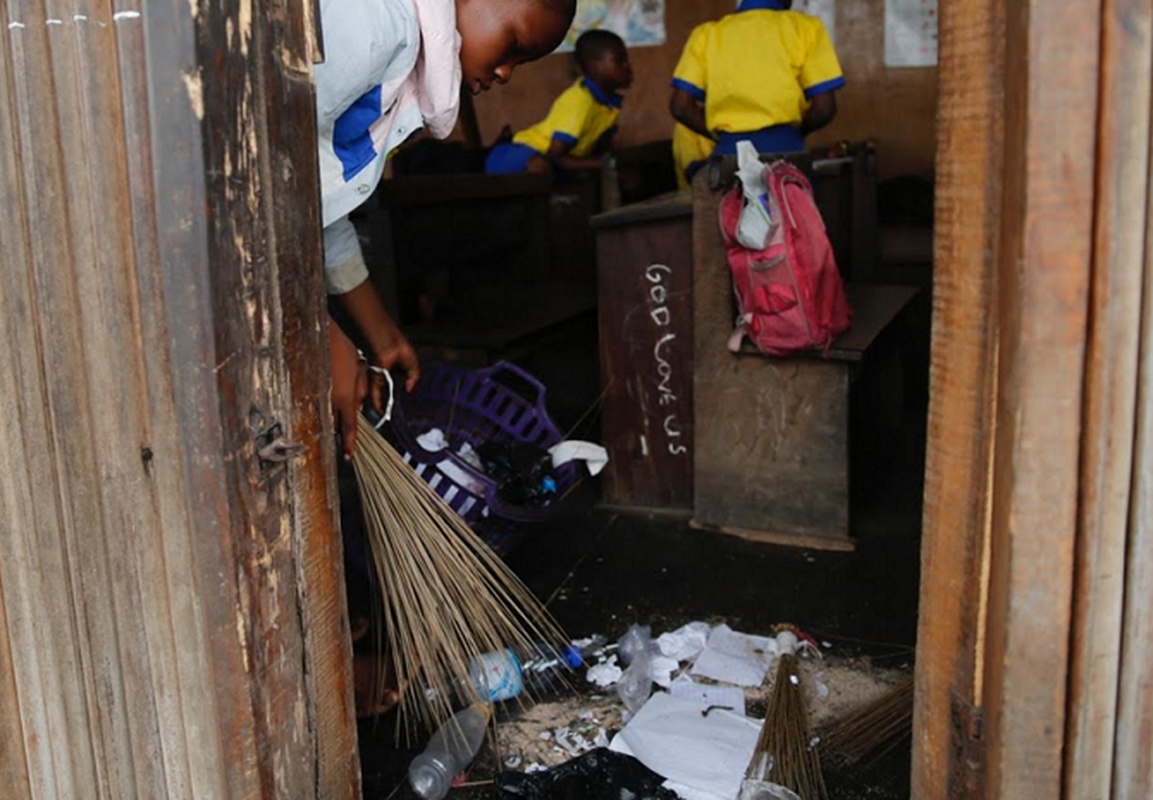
(756, 222)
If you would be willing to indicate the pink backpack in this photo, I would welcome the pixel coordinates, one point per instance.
(789, 293)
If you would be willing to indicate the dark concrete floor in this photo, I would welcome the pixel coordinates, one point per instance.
(600, 572)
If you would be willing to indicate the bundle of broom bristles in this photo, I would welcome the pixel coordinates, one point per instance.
(447, 597)
(788, 754)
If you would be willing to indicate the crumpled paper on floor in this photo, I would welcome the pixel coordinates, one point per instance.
(738, 658)
(686, 642)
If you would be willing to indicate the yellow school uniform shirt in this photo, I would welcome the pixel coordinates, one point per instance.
(758, 67)
(580, 116)
(690, 149)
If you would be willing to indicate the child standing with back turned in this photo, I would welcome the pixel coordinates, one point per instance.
(765, 74)
(391, 68)
(582, 120)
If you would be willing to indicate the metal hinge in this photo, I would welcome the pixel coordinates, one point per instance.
(272, 447)
(966, 754)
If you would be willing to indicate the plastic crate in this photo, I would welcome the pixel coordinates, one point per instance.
(494, 404)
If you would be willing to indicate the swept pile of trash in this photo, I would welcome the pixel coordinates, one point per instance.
(676, 715)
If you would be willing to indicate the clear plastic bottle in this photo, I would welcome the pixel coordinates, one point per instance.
(450, 750)
(504, 674)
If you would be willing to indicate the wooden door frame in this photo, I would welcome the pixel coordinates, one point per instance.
(172, 610)
(1032, 670)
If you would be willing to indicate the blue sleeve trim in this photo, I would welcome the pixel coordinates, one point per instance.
(567, 138)
(695, 91)
(826, 86)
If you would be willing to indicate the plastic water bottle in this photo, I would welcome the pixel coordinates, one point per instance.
(449, 751)
(504, 674)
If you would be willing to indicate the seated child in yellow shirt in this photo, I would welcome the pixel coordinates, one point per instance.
(765, 74)
(690, 152)
(582, 120)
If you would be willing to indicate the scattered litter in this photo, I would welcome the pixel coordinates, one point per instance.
(534, 734)
(597, 775)
(594, 456)
(606, 673)
(433, 440)
(709, 753)
(709, 695)
(737, 658)
(686, 642)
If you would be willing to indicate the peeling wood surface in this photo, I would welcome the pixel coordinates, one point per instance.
(157, 581)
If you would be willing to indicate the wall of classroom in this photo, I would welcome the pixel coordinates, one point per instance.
(895, 108)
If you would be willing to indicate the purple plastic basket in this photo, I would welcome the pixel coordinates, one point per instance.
(495, 404)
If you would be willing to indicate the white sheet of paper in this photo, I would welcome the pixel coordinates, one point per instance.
(686, 792)
(910, 33)
(707, 694)
(735, 657)
(707, 753)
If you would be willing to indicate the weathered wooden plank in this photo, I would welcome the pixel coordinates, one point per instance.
(157, 578)
(1110, 395)
(1133, 743)
(955, 533)
(1051, 78)
(288, 94)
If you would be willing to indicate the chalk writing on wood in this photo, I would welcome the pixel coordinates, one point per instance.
(658, 297)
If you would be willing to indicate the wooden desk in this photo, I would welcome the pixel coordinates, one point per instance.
(645, 331)
(771, 443)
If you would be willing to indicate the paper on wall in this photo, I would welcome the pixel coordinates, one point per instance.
(910, 33)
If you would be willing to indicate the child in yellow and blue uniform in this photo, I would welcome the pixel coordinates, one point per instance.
(765, 74)
(690, 152)
(582, 120)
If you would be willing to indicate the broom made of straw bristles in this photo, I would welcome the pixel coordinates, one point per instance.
(871, 731)
(785, 753)
(446, 596)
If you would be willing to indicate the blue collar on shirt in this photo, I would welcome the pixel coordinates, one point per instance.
(604, 98)
(767, 5)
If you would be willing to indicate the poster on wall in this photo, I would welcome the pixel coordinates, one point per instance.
(824, 10)
(910, 33)
(638, 22)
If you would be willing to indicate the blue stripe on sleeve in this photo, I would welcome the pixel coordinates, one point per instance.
(825, 86)
(567, 138)
(351, 140)
(695, 91)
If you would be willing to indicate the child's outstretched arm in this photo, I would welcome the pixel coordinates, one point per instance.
(689, 111)
(347, 278)
(558, 154)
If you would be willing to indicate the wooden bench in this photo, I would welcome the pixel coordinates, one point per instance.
(771, 442)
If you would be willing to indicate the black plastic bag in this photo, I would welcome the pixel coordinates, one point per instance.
(523, 473)
(599, 774)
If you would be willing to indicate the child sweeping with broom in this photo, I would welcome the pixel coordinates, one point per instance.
(391, 69)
